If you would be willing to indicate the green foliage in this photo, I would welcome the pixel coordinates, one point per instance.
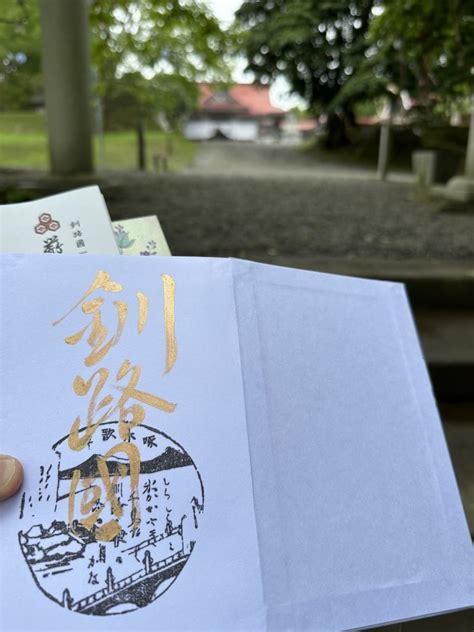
(146, 55)
(179, 37)
(20, 59)
(163, 101)
(316, 45)
(425, 48)
(335, 53)
(299, 113)
(433, 42)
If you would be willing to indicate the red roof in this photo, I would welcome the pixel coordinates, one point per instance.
(249, 99)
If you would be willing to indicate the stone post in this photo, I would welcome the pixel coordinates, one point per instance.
(462, 188)
(384, 149)
(67, 70)
(385, 144)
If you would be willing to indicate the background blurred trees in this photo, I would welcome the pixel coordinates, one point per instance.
(337, 53)
(147, 56)
(163, 100)
(20, 54)
(315, 45)
(423, 48)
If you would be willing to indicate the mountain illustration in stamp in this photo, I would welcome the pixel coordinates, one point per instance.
(69, 558)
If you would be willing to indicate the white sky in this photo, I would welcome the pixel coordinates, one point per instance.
(224, 10)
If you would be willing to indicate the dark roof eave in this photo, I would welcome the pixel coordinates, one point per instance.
(242, 114)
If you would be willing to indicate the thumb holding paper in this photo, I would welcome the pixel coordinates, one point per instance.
(11, 476)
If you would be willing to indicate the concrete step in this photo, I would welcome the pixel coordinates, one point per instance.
(458, 424)
(429, 283)
(447, 335)
(447, 339)
(462, 621)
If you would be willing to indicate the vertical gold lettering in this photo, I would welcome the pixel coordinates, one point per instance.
(169, 291)
(142, 311)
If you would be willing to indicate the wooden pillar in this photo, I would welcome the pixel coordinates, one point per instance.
(67, 84)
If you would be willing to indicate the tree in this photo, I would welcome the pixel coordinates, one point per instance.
(335, 53)
(144, 52)
(315, 45)
(164, 97)
(424, 48)
(20, 58)
(153, 52)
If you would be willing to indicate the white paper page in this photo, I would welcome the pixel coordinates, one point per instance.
(359, 517)
(348, 484)
(76, 222)
(219, 587)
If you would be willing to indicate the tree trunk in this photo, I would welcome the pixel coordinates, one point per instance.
(337, 134)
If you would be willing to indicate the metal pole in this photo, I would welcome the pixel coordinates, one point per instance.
(66, 69)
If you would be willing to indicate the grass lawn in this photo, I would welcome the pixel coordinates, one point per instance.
(23, 144)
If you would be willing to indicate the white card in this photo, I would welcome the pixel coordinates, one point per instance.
(76, 222)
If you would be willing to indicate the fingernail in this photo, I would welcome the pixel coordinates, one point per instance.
(11, 476)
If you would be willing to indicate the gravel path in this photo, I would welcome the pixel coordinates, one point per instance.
(252, 200)
(268, 201)
(255, 160)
